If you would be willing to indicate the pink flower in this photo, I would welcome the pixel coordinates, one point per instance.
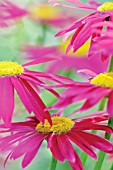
(9, 11)
(45, 14)
(69, 61)
(84, 27)
(26, 139)
(26, 83)
(91, 92)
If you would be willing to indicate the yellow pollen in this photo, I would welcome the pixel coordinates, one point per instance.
(82, 51)
(43, 12)
(60, 125)
(103, 79)
(8, 68)
(106, 6)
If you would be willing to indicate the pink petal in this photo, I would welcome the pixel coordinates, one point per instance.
(97, 141)
(53, 145)
(66, 147)
(87, 72)
(41, 60)
(6, 99)
(77, 165)
(30, 156)
(83, 144)
(21, 92)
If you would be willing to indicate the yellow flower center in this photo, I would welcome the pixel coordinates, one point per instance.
(8, 68)
(83, 50)
(103, 79)
(43, 12)
(60, 125)
(106, 6)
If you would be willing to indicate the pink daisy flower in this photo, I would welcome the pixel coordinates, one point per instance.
(9, 11)
(26, 83)
(68, 61)
(45, 14)
(91, 92)
(83, 27)
(41, 13)
(26, 139)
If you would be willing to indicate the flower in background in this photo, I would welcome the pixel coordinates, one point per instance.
(9, 12)
(74, 61)
(91, 92)
(46, 14)
(84, 27)
(26, 139)
(26, 83)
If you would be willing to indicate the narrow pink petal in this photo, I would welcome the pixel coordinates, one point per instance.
(53, 145)
(27, 98)
(77, 165)
(92, 126)
(28, 145)
(30, 156)
(87, 72)
(41, 60)
(71, 27)
(83, 144)
(66, 147)
(22, 93)
(6, 100)
(97, 141)
(70, 45)
(39, 104)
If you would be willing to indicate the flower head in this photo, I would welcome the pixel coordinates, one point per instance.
(91, 92)
(25, 82)
(84, 27)
(46, 14)
(26, 139)
(68, 61)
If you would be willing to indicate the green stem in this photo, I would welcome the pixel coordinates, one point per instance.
(41, 39)
(101, 155)
(53, 163)
(102, 104)
(111, 167)
(84, 156)
(110, 65)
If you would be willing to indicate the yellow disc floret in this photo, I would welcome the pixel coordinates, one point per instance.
(103, 79)
(106, 6)
(43, 12)
(60, 125)
(8, 68)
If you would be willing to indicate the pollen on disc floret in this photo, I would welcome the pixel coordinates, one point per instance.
(8, 68)
(106, 6)
(60, 125)
(103, 79)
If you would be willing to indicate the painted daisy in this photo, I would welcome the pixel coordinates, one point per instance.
(26, 139)
(91, 92)
(26, 83)
(47, 15)
(84, 27)
(68, 61)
